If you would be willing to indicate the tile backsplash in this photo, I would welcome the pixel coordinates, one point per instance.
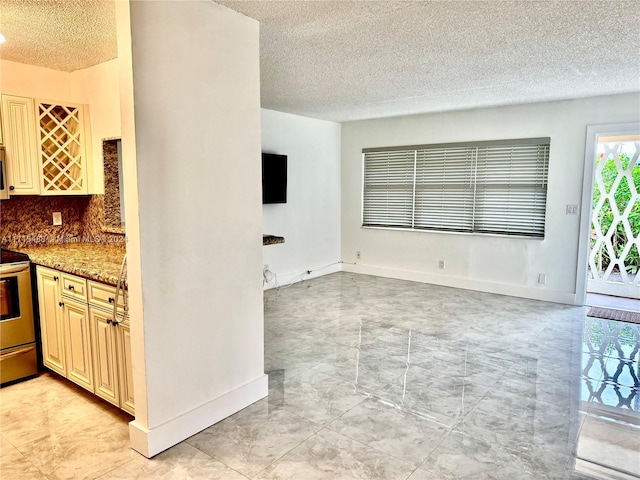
(28, 221)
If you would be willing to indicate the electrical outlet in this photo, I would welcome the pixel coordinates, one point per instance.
(267, 275)
(57, 218)
(441, 264)
(542, 278)
(358, 255)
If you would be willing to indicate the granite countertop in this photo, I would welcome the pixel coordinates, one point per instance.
(271, 239)
(94, 261)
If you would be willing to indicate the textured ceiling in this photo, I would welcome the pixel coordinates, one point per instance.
(347, 60)
(64, 35)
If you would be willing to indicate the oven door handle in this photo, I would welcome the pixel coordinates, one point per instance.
(15, 268)
(22, 351)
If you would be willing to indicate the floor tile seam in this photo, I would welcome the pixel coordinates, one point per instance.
(330, 374)
(542, 403)
(477, 403)
(6, 439)
(508, 417)
(412, 472)
(212, 457)
(315, 432)
(22, 445)
(515, 419)
(34, 465)
(360, 442)
(115, 468)
(324, 423)
(517, 451)
(442, 440)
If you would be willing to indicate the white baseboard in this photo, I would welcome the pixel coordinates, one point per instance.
(466, 283)
(150, 442)
(295, 277)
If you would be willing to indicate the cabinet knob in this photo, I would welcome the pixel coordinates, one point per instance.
(115, 323)
(55, 278)
(12, 188)
(108, 320)
(61, 304)
(111, 300)
(71, 287)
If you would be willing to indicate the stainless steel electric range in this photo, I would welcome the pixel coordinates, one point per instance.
(18, 358)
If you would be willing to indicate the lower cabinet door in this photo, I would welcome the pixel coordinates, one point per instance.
(78, 343)
(125, 369)
(105, 360)
(51, 324)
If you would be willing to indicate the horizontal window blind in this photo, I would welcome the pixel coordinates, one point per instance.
(388, 189)
(444, 189)
(486, 187)
(511, 189)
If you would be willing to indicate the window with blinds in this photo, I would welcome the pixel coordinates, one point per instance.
(484, 187)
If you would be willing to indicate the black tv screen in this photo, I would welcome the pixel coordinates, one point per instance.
(274, 178)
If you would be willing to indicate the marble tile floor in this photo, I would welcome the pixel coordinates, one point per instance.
(374, 378)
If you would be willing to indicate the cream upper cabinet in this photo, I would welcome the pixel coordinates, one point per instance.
(48, 145)
(62, 148)
(19, 125)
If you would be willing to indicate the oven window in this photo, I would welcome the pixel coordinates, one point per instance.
(9, 301)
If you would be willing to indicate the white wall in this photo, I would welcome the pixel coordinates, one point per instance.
(35, 82)
(98, 87)
(310, 220)
(493, 264)
(196, 252)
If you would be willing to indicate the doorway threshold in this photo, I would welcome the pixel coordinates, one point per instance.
(609, 301)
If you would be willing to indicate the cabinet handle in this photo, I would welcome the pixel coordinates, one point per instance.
(111, 300)
(55, 278)
(12, 188)
(71, 287)
(61, 304)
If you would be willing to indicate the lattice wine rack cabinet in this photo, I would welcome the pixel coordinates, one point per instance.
(62, 148)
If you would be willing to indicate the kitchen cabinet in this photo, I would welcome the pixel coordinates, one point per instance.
(125, 370)
(78, 349)
(80, 339)
(47, 146)
(51, 326)
(105, 355)
(19, 124)
(111, 346)
(62, 148)
(64, 327)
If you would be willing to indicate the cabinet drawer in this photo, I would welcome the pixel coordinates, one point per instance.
(103, 295)
(74, 287)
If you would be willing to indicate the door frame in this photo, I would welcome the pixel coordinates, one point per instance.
(594, 132)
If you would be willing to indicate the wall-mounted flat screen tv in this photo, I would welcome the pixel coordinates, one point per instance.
(274, 178)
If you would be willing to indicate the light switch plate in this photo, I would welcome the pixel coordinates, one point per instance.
(572, 209)
(57, 218)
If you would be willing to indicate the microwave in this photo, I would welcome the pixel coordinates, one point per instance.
(4, 180)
